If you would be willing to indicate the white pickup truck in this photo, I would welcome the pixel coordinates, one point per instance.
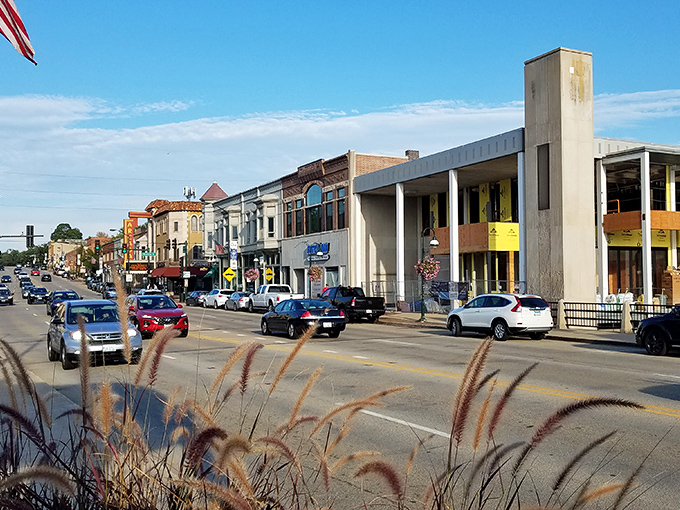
(268, 296)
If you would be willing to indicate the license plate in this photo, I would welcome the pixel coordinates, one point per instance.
(369, 311)
(109, 348)
(537, 312)
(326, 324)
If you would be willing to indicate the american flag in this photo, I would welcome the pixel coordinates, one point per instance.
(14, 30)
(219, 249)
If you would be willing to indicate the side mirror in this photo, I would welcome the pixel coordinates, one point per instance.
(179, 305)
(57, 320)
(132, 309)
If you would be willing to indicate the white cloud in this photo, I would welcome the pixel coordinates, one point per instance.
(103, 173)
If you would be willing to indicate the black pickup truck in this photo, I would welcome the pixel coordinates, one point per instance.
(354, 303)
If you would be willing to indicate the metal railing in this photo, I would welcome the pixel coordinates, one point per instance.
(604, 315)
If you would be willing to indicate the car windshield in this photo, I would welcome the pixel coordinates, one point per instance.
(155, 302)
(39, 290)
(4, 292)
(66, 295)
(308, 304)
(533, 302)
(351, 292)
(93, 313)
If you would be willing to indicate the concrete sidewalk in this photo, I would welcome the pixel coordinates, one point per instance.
(438, 321)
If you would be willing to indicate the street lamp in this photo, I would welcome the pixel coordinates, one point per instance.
(433, 244)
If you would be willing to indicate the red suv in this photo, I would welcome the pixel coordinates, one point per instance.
(152, 312)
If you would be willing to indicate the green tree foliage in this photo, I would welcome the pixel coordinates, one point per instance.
(64, 231)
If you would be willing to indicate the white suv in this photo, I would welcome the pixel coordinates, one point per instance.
(502, 315)
(217, 298)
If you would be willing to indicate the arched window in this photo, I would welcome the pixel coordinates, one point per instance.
(194, 223)
(313, 209)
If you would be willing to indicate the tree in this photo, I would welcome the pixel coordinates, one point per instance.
(64, 231)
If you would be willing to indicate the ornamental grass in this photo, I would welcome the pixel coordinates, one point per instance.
(105, 457)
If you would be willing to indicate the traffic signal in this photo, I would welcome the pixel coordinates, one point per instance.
(124, 248)
(97, 247)
(167, 243)
(29, 236)
(174, 244)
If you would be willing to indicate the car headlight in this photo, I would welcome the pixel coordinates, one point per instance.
(76, 335)
(147, 317)
(183, 316)
(132, 332)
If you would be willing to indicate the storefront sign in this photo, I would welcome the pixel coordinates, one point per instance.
(137, 267)
(312, 252)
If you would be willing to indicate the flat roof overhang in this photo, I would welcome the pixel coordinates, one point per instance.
(487, 160)
(658, 155)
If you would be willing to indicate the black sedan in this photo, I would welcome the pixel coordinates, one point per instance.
(195, 298)
(294, 316)
(46, 277)
(57, 297)
(37, 295)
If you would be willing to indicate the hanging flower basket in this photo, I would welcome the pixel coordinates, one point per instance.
(252, 275)
(315, 273)
(427, 268)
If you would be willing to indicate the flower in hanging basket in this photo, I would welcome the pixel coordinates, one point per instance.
(315, 273)
(252, 274)
(427, 268)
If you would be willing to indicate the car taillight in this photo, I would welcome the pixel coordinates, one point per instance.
(342, 314)
(306, 315)
(354, 302)
(518, 306)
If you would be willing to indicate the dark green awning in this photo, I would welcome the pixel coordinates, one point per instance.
(211, 273)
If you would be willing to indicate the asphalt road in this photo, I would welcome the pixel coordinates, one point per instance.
(368, 358)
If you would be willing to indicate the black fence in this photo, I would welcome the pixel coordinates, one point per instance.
(604, 315)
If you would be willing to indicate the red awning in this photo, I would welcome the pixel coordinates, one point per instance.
(167, 272)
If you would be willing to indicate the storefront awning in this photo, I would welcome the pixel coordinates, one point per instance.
(167, 272)
(211, 273)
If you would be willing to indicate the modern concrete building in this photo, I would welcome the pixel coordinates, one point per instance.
(516, 211)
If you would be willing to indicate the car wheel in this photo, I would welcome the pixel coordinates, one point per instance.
(292, 332)
(51, 354)
(66, 363)
(215, 304)
(537, 336)
(271, 306)
(656, 343)
(500, 331)
(264, 327)
(136, 356)
(250, 307)
(333, 334)
(454, 326)
(204, 305)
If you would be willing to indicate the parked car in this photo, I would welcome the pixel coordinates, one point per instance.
(354, 303)
(35, 272)
(268, 296)
(195, 298)
(155, 312)
(6, 278)
(103, 327)
(57, 297)
(216, 298)
(659, 333)
(37, 295)
(502, 315)
(238, 301)
(294, 316)
(46, 277)
(6, 296)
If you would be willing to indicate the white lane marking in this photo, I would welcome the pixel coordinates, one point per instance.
(240, 334)
(169, 357)
(279, 342)
(394, 342)
(360, 357)
(671, 376)
(331, 352)
(408, 424)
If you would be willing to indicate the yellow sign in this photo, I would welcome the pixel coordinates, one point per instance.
(269, 274)
(503, 236)
(229, 274)
(633, 238)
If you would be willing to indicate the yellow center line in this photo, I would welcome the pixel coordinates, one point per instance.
(665, 411)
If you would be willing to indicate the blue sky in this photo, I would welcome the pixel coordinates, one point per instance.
(133, 100)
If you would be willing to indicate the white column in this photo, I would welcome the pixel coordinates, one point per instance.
(522, 217)
(602, 246)
(401, 286)
(454, 250)
(646, 228)
(357, 268)
(672, 207)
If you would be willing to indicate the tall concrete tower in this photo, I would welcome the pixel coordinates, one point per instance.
(560, 176)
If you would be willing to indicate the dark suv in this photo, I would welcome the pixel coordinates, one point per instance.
(152, 312)
(657, 334)
(57, 297)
